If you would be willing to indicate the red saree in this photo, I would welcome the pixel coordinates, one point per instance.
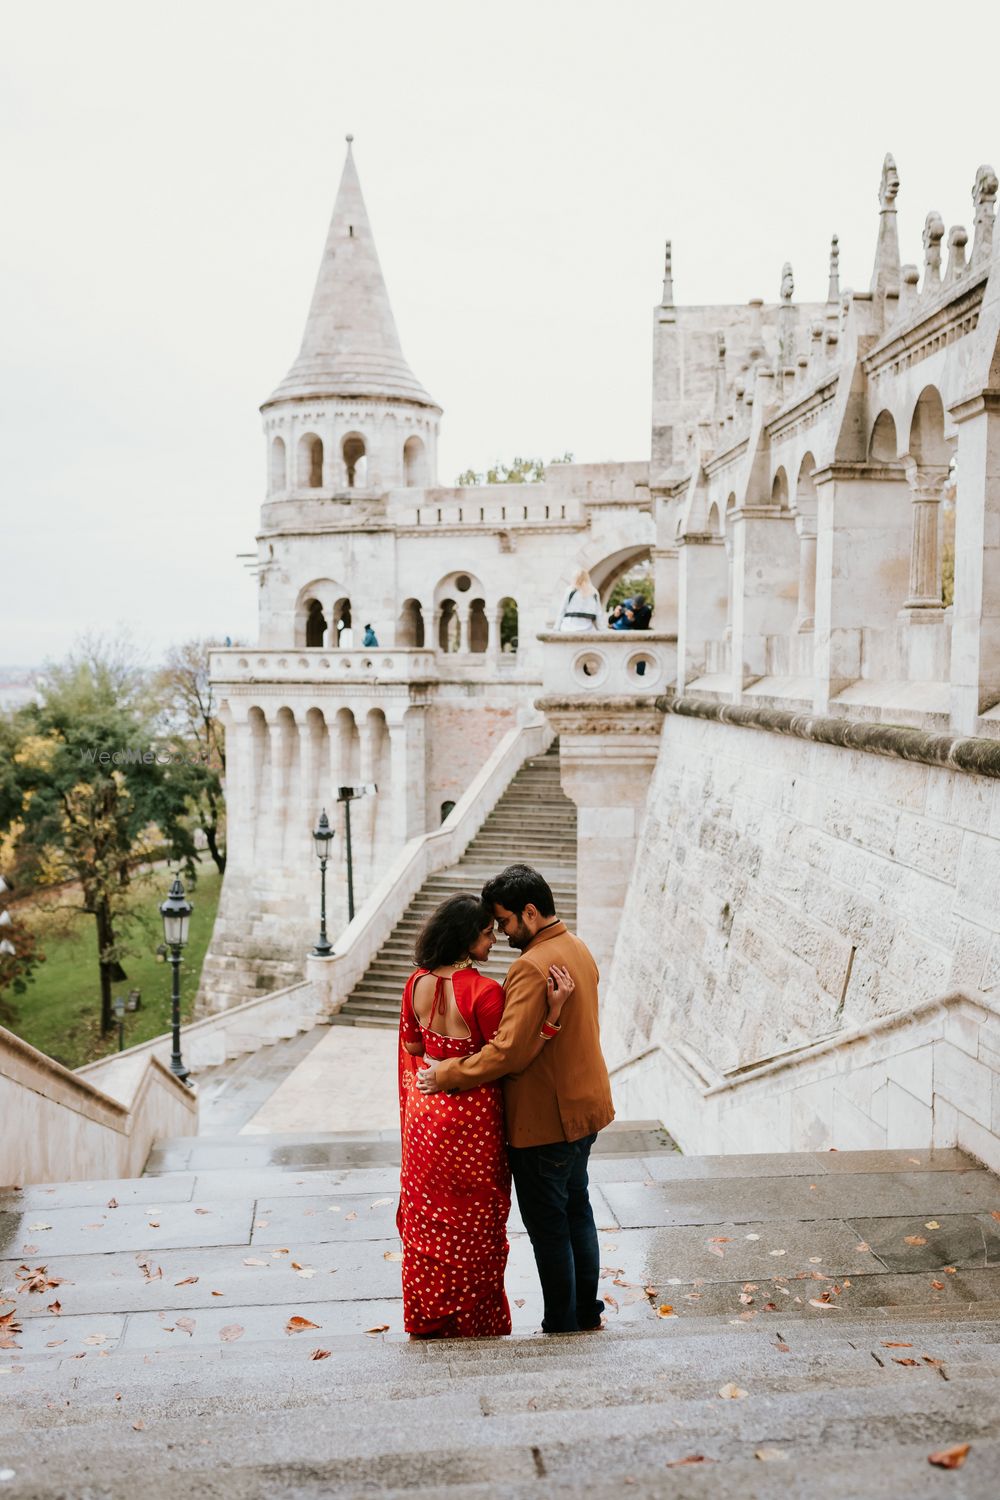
(454, 1179)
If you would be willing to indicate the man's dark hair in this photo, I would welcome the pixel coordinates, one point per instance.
(450, 931)
(517, 887)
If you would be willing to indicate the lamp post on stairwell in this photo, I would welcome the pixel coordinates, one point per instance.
(347, 795)
(176, 913)
(322, 839)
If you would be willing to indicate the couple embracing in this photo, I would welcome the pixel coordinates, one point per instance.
(493, 1083)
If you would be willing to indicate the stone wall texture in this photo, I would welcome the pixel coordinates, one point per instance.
(784, 890)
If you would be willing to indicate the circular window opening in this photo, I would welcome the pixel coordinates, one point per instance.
(463, 583)
(387, 663)
(590, 668)
(643, 668)
(243, 662)
(303, 662)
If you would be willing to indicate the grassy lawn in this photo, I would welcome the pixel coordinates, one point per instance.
(60, 1011)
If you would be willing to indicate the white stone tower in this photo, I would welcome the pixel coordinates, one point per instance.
(350, 417)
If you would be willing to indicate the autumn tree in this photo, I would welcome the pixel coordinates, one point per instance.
(189, 719)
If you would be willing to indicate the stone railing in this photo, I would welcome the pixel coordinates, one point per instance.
(608, 663)
(58, 1126)
(918, 1079)
(329, 981)
(317, 664)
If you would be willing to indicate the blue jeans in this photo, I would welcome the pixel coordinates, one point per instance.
(551, 1183)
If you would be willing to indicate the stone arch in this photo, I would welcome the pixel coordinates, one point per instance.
(927, 444)
(342, 626)
(321, 591)
(449, 633)
(278, 467)
(479, 626)
(354, 451)
(883, 444)
(508, 625)
(779, 488)
(606, 557)
(804, 502)
(414, 461)
(315, 623)
(310, 466)
(461, 584)
(410, 629)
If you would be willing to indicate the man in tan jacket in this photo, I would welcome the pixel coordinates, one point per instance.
(555, 1104)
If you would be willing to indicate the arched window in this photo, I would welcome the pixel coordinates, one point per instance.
(413, 460)
(479, 628)
(410, 631)
(508, 625)
(447, 808)
(779, 489)
(279, 471)
(315, 624)
(883, 449)
(448, 627)
(355, 460)
(310, 461)
(343, 632)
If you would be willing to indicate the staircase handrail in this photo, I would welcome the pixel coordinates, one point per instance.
(59, 1126)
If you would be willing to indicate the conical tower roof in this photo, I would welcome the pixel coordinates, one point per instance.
(350, 346)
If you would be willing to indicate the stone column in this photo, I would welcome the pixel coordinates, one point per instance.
(805, 527)
(975, 640)
(926, 483)
(666, 589)
(607, 751)
(407, 773)
(764, 585)
(463, 629)
(701, 595)
(241, 812)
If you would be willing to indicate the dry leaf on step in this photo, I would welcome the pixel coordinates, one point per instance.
(731, 1392)
(380, 1203)
(912, 1363)
(188, 1281)
(251, 1260)
(320, 1354)
(380, 1328)
(231, 1333)
(299, 1325)
(692, 1458)
(914, 1239)
(138, 1425)
(393, 1255)
(188, 1325)
(950, 1458)
(769, 1455)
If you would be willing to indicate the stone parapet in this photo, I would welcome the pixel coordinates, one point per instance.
(608, 662)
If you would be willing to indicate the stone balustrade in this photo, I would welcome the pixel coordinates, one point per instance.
(606, 663)
(402, 664)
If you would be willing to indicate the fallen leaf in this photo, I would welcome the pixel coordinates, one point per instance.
(518, 1301)
(33, 1227)
(275, 1253)
(863, 1246)
(731, 1392)
(54, 1307)
(938, 1286)
(96, 1338)
(188, 1281)
(252, 1260)
(769, 1455)
(231, 1333)
(203, 1210)
(751, 1236)
(380, 1203)
(721, 1239)
(911, 1362)
(321, 1354)
(611, 1301)
(665, 1310)
(951, 1270)
(299, 1325)
(261, 1223)
(914, 1239)
(814, 1260)
(915, 1160)
(717, 1250)
(776, 1252)
(54, 1343)
(826, 1306)
(781, 1346)
(995, 1214)
(188, 1325)
(930, 1360)
(381, 1328)
(218, 1294)
(138, 1425)
(950, 1458)
(351, 1215)
(146, 1267)
(306, 1271)
(932, 1224)
(889, 1344)
(112, 1202)
(692, 1458)
(393, 1255)
(151, 1224)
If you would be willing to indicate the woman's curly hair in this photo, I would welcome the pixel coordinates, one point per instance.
(450, 931)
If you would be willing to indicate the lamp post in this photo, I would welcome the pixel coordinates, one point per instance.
(7, 949)
(176, 913)
(322, 839)
(119, 1008)
(347, 795)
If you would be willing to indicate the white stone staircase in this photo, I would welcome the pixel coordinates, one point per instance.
(133, 1388)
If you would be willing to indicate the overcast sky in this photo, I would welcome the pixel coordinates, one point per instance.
(171, 171)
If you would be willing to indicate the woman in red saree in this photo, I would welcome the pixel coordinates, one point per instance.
(455, 1179)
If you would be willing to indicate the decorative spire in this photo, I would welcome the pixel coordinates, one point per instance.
(958, 238)
(833, 288)
(933, 235)
(984, 198)
(786, 319)
(350, 346)
(885, 276)
(668, 276)
(908, 292)
(720, 375)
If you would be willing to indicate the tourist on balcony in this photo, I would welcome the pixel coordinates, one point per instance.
(616, 619)
(455, 1177)
(370, 639)
(581, 608)
(642, 613)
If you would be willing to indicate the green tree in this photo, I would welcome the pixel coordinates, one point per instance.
(97, 798)
(518, 471)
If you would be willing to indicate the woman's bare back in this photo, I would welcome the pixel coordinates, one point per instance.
(445, 1018)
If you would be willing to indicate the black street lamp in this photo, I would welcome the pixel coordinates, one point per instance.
(7, 949)
(347, 795)
(322, 839)
(176, 913)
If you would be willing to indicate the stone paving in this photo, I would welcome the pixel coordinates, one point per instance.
(852, 1296)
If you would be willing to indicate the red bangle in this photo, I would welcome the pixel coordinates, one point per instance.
(550, 1029)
